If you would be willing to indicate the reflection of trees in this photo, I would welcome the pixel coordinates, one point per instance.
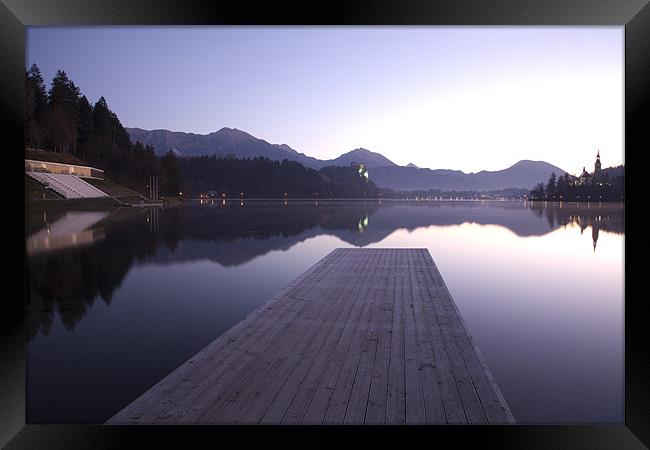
(607, 217)
(272, 219)
(71, 280)
(551, 218)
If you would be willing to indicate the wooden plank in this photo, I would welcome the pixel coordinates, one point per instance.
(319, 403)
(355, 411)
(337, 406)
(287, 408)
(396, 397)
(376, 408)
(434, 408)
(363, 336)
(454, 412)
(272, 407)
(415, 410)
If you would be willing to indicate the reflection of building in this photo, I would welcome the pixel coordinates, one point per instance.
(71, 230)
(584, 222)
(363, 224)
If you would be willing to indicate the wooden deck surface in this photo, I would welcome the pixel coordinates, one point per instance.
(364, 336)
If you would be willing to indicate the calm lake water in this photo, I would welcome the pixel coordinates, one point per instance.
(117, 300)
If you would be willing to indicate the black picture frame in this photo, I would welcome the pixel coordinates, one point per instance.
(16, 15)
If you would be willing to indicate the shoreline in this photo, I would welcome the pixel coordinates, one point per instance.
(112, 203)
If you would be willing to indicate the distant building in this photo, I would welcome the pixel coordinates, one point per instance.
(59, 164)
(585, 177)
(361, 169)
(63, 169)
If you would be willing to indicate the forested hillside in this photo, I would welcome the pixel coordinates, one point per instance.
(62, 120)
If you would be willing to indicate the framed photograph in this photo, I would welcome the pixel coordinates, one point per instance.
(349, 217)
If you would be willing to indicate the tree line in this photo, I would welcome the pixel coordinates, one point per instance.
(62, 120)
(601, 187)
(261, 177)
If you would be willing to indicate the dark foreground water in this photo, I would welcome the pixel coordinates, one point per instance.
(117, 300)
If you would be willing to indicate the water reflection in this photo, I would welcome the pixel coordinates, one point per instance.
(608, 217)
(176, 278)
(73, 229)
(363, 224)
(75, 276)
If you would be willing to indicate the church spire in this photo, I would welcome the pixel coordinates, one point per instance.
(597, 165)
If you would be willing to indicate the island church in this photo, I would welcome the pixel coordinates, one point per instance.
(586, 178)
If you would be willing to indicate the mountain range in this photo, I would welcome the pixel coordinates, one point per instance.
(524, 174)
(383, 172)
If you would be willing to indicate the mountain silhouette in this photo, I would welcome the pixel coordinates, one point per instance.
(524, 174)
(383, 172)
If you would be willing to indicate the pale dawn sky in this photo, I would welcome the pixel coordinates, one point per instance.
(464, 98)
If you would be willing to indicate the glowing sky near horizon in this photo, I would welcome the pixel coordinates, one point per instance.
(464, 98)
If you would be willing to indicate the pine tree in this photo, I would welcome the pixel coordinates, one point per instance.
(63, 98)
(101, 117)
(85, 130)
(102, 133)
(63, 120)
(35, 107)
(551, 186)
(172, 171)
(561, 188)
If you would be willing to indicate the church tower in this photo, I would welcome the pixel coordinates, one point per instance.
(597, 165)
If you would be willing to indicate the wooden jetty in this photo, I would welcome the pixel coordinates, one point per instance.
(365, 336)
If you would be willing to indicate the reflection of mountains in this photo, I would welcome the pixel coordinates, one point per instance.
(245, 234)
(72, 279)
